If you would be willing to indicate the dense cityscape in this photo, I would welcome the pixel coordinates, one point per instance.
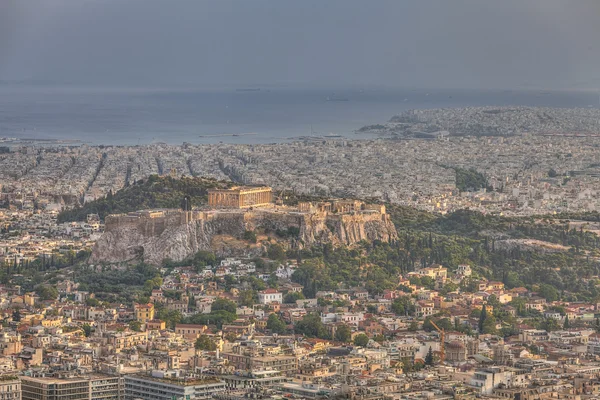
(266, 326)
(360, 200)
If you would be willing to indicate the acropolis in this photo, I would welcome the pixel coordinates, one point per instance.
(240, 197)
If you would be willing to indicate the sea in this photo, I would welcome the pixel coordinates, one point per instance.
(250, 115)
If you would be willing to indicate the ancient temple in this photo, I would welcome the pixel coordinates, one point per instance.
(240, 197)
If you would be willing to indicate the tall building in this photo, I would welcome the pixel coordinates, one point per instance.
(10, 387)
(167, 386)
(144, 312)
(92, 387)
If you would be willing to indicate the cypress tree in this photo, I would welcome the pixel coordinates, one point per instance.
(429, 357)
(482, 317)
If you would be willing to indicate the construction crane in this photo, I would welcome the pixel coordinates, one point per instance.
(442, 338)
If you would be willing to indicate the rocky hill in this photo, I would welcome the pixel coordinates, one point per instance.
(154, 192)
(177, 235)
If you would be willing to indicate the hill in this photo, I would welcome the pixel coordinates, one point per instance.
(154, 192)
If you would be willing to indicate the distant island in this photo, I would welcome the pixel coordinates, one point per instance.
(490, 121)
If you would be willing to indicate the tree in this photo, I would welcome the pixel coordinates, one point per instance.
(217, 318)
(135, 326)
(482, 318)
(92, 302)
(154, 283)
(428, 282)
(16, 315)
(444, 324)
(429, 357)
(205, 343)
(343, 333)
(230, 337)
(204, 258)
(448, 288)
(310, 325)
(413, 327)
(361, 340)
(566, 323)
(427, 325)
(552, 173)
(223, 304)
(171, 317)
(403, 305)
(250, 236)
(247, 297)
(87, 330)
(276, 252)
(549, 324)
(379, 339)
(489, 325)
(291, 297)
(548, 292)
(47, 292)
(275, 324)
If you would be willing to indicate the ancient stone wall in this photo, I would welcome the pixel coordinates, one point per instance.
(178, 234)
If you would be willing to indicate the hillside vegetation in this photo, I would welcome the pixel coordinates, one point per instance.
(498, 248)
(154, 192)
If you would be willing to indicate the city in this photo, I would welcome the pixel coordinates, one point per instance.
(328, 200)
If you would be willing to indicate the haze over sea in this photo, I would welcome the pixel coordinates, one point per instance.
(271, 114)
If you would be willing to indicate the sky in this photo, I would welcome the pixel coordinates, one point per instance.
(507, 44)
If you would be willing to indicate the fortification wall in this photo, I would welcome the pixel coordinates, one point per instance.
(178, 235)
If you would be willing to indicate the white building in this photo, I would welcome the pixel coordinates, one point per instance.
(270, 296)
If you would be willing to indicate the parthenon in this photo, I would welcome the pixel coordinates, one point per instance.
(240, 197)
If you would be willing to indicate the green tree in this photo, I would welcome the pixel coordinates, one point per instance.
(291, 297)
(549, 324)
(87, 330)
(566, 323)
(247, 298)
(16, 315)
(448, 288)
(428, 282)
(548, 292)
(403, 305)
(171, 317)
(47, 292)
(413, 327)
(217, 318)
(204, 258)
(223, 304)
(379, 339)
(361, 340)
(343, 333)
(482, 317)
(276, 252)
(310, 325)
(429, 357)
(250, 236)
(489, 325)
(135, 326)
(427, 325)
(154, 283)
(205, 343)
(276, 324)
(92, 302)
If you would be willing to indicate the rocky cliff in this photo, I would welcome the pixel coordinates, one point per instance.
(174, 234)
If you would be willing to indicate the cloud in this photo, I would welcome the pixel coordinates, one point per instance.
(463, 43)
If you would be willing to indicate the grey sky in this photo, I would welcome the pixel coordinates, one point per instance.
(420, 43)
